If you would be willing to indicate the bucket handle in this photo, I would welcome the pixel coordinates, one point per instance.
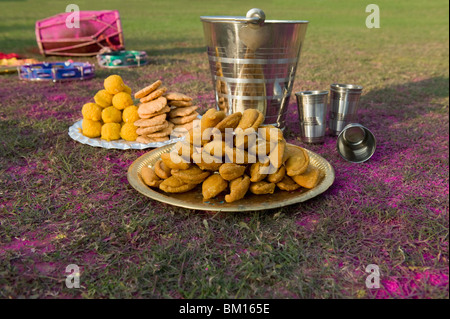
(253, 16)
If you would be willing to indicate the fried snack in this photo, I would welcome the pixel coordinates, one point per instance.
(257, 172)
(175, 96)
(243, 137)
(149, 177)
(91, 128)
(182, 111)
(114, 84)
(157, 120)
(206, 161)
(121, 100)
(238, 188)
(110, 131)
(287, 184)
(231, 121)
(91, 111)
(213, 186)
(162, 170)
(310, 178)
(251, 118)
(174, 161)
(164, 110)
(184, 119)
(211, 118)
(297, 161)
(103, 98)
(180, 103)
(162, 133)
(175, 185)
(111, 115)
(147, 90)
(145, 139)
(277, 154)
(262, 187)
(130, 114)
(230, 171)
(238, 156)
(261, 147)
(128, 132)
(152, 129)
(277, 176)
(153, 95)
(192, 175)
(270, 133)
(152, 106)
(215, 148)
(182, 129)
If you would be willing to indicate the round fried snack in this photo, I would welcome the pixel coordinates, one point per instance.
(157, 120)
(163, 133)
(153, 95)
(251, 118)
(161, 170)
(297, 161)
(184, 119)
(180, 103)
(182, 111)
(287, 184)
(175, 96)
(262, 187)
(165, 109)
(152, 106)
(175, 185)
(211, 118)
(238, 188)
(213, 186)
(192, 175)
(230, 171)
(152, 129)
(309, 179)
(277, 176)
(174, 161)
(145, 91)
(231, 121)
(149, 177)
(257, 172)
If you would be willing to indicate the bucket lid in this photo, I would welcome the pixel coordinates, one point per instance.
(253, 16)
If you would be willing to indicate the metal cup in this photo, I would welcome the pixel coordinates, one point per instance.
(344, 102)
(312, 115)
(356, 143)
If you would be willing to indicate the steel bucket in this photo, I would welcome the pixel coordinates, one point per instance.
(253, 62)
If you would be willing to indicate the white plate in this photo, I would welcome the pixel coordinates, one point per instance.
(75, 133)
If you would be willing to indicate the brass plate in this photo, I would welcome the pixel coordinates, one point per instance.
(251, 202)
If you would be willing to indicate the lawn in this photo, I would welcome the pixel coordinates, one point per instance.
(64, 203)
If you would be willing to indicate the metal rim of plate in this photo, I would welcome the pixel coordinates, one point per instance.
(75, 134)
(196, 203)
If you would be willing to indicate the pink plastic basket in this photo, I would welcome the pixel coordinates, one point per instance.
(98, 32)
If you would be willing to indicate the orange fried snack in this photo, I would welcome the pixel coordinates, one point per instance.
(277, 176)
(213, 186)
(206, 161)
(192, 175)
(230, 171)
(309, 179)
(297, 161)
(287, 184)
(174, 161)
(257, 172)
(238, 188)
(175, 185)
(162, 170)
(262, 187)
(251, 118)
(211, 118)
(231, 121)
(149, 177)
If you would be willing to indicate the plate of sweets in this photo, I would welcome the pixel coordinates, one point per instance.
(231, 163)
(113, 120)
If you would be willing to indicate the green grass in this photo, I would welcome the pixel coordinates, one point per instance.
(63, 202)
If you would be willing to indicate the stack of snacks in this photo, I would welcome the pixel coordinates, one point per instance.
(233, 154)
(182, 112)
(152, 125)
(112, 115)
